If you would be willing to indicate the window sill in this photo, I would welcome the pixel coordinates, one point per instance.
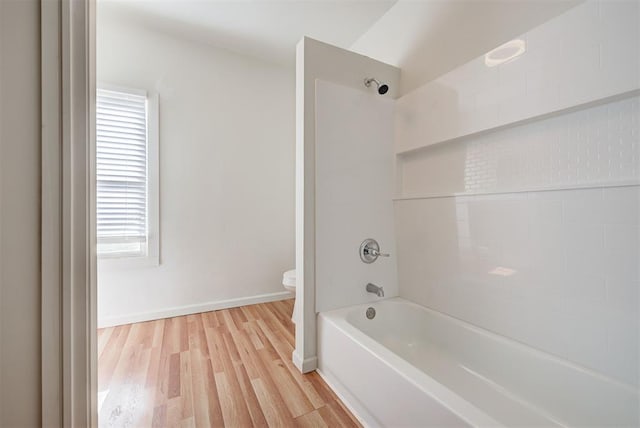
(128, 262)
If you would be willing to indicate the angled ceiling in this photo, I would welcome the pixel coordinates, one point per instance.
(266, 29)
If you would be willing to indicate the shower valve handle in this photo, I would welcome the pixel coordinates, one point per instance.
(376, 253)
(370, 251)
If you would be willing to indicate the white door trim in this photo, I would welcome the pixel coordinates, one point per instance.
(51, 258)
(69, 387)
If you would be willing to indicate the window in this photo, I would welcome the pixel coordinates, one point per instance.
(126, 174)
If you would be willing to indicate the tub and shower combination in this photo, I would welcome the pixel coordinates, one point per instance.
(401, 364)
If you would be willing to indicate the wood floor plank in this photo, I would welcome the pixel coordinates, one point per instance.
(186, 392)
(234, 410)
(213, 399)
(311, 420)
(125, 401)
(223, 368)
(272, 412)
(275, 399)
(250, 398)
(174, 411)
(329, 417)
(296, 401)
(321, 387)
(246, 352)
(216, 347)
(284, 351)
(275, 324)
(199, 360)
(345, 417)
(110, 356)
(159, 416)
(154, 368)
(103, 339)
(164, 365)
(174, 376)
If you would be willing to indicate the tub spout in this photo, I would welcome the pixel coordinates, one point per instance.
(372, 288)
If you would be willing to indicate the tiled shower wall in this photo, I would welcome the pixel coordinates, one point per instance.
(532, 231)
(354, 137)
(557, 270)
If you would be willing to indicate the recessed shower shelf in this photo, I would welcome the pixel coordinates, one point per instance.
(497, 125)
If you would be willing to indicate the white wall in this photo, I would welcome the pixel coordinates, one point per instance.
(20, 214)
(429, 38)
(316, 60)
(354, 191)
(533, 230)
(226, 174)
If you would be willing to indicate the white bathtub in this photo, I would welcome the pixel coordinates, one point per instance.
(411, 366)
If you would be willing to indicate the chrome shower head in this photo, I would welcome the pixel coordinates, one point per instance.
(382, 88)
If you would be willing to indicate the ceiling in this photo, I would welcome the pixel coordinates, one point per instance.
(425, 38)
(266, 29)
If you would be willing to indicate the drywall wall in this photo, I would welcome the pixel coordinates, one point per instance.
(354, 191)
(226, 175)
(20, 214)
(429, 38)
(533, 231)
(316, 60)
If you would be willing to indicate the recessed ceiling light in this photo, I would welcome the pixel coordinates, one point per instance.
(505, 53)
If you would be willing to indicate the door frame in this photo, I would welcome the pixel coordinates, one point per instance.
(68, 261)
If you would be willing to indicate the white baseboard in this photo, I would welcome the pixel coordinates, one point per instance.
(305, 366)
(355, 407)
(177, 311)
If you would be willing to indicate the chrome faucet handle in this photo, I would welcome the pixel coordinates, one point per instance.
(376, 253)
(370, 251)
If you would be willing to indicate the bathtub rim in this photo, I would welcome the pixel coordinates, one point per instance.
(333, 314)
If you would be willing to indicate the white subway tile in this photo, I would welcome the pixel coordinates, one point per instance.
(584, 206)
(586, 338)
(585, 288)
(623, 347)
(623, 295)
(584, 246)
(621, 257)
(545, 209)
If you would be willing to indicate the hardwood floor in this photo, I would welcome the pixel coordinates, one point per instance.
(224, 368)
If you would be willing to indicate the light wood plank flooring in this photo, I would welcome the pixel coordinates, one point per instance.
(223, 368)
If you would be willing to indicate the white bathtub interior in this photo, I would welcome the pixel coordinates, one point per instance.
(480, 377)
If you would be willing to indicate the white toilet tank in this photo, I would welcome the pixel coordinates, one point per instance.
(289, 282)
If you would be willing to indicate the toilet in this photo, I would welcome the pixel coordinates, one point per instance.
(289, 282)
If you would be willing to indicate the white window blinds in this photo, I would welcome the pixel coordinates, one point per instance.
(122, 179)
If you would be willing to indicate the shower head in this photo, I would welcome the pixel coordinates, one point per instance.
(382, 88)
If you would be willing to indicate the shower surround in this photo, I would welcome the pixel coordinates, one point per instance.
(516, 193)
(523, 218)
